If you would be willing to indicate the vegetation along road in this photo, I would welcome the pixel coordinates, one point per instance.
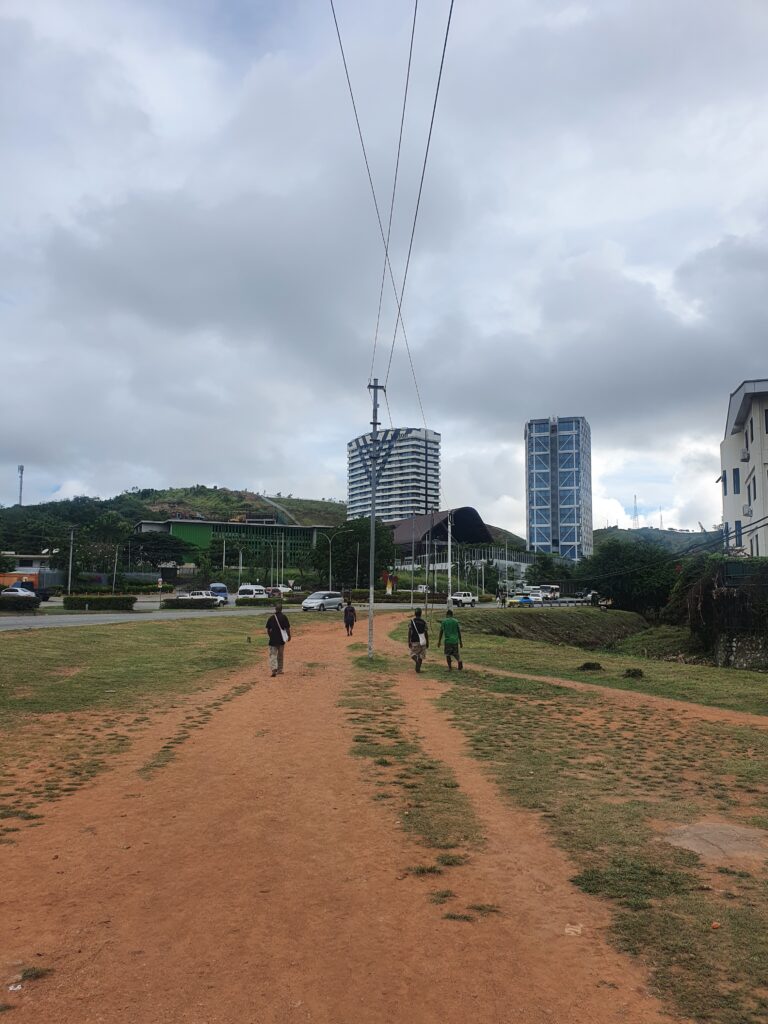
(184, 838)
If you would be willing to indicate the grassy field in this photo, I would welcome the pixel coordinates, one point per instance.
(609, 782)
(583, 627)
(699, 683)
(72, 699)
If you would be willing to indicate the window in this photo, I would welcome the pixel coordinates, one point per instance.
(757, 544)
(737, 532)
(726, 534)
(725, 483)
(736, 481)
(746, 439)
(766, 421)
(751, 429)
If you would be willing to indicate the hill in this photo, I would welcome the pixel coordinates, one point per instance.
(675, 541)
(502, 536)
(31, 528)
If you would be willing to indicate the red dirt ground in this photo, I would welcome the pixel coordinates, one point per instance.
(253, 880)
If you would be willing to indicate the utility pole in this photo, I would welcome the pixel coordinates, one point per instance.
(21, 483)
(375, 388)
(450, 575)
(239, 568)
(71, 548)
(224, 554)
(114, 571)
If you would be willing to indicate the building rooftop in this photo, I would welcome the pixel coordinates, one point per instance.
(740, 401)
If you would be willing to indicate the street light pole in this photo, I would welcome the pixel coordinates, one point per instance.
(71, 547)
(330, 540)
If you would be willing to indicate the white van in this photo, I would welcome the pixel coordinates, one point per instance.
(253, 590)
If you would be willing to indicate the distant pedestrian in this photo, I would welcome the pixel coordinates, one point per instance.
(450, 629)
(350, 617)
(418, 639)
(279, 632)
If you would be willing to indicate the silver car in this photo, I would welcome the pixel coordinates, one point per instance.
(323, 600)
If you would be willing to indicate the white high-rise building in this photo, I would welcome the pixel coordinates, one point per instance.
(744, 463)
(410, 482)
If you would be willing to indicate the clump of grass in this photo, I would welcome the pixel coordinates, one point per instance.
(590, 666)
(451, 916)
(484, 909)
(35, 973)
(440, 896)
(452, 860)
(424, 869)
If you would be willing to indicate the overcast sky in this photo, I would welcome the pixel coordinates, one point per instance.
(190, 261)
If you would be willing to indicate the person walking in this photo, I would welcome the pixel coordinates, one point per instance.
(279, 632)
(451, 630)
(418, 639)
(350, 617)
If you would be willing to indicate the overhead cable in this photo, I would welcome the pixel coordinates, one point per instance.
(376, 206)
(418, 197)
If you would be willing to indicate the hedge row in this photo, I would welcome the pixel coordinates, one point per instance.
(11, 603)
(100, 602)
(187, 602)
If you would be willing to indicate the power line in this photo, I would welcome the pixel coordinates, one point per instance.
(418, 197)
(376, 206)
(394, 187)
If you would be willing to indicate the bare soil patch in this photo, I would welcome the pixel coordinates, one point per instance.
(254, 879)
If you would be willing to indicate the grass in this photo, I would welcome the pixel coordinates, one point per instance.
(585, 627)
(441, 896)
(70, 700)
(608, 781)
(35, 973)
(423, 792)
(733, 689)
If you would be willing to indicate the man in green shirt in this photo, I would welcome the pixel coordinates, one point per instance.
(450, 629)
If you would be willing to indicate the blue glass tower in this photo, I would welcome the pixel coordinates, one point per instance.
(558, 486)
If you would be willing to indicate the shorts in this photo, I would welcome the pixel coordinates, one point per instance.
(418, 650)
(452, 651)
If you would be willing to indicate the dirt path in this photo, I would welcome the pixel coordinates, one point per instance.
(253, 880)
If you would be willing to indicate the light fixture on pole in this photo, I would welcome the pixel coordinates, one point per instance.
(330, 540)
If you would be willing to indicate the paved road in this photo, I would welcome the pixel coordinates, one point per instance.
(63, 621)
(150, 613)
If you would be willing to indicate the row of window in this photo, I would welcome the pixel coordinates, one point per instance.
(751, 484)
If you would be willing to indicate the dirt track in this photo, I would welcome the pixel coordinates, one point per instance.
(253, 880)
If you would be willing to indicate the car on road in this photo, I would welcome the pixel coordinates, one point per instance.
(323, 600)
(254, 590)
(422, 589)
(282, 589)
(205, 595)
(524, 601)
(462, 598)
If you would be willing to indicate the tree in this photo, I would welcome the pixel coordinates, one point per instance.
(345, 553)
(637, 577)
(156, 547)
(546, 570)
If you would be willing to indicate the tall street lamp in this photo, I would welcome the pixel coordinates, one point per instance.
(330, 540)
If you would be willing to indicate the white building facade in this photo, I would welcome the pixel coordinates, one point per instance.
(558, 486)
(744, 465)
(410, 482)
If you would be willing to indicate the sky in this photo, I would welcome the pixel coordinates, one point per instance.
(190, 261)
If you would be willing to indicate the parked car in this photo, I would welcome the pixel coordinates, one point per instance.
(15, 591)
(220, 589)
(205, 595)
(462, 598)
(323, 600)
(282, 589)
(253, 590)
(527, 600)
(422, 589)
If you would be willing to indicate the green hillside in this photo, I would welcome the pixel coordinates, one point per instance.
(502, 536)
(672, 540)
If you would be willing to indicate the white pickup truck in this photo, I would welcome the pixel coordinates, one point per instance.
(462, 598)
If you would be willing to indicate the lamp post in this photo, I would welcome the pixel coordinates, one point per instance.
(330, 540)
(71, 548)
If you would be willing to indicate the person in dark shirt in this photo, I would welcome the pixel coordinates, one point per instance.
(350, 617)
(279, 632)
(418, 639)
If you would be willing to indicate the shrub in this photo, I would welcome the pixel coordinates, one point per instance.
(100, 602)
(254, 602)
(11, 603)
(187, 602)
